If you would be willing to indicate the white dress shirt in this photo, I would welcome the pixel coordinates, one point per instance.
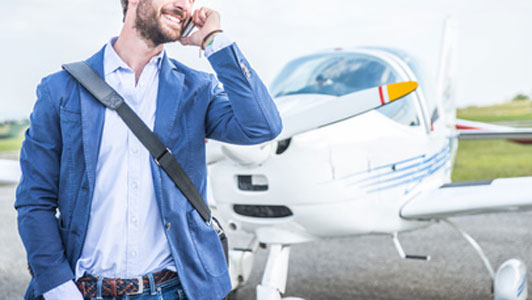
(124, 212)
(125, 236)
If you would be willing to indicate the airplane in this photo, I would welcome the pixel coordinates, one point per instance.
(347, 165)
(363, 151)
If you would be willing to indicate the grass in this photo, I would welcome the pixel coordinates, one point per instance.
(12, 144)
(488, 159)
(513, 111)
(16, 131)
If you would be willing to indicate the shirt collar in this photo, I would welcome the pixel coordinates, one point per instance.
(112, 60)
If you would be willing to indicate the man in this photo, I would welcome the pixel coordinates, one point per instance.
(95, 212)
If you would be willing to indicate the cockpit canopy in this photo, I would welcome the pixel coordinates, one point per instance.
(340, 73)
(334, 74)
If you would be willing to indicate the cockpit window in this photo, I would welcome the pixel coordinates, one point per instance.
(339, 74)
(331, 74)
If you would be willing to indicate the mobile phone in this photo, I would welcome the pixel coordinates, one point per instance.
(187, 28)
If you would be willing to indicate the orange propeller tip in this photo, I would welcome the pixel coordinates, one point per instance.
(400, 89)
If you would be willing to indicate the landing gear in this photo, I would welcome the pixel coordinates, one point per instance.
(241, 264)
(273, 282)
(510, 281)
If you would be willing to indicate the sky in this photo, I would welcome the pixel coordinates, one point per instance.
(493, 58)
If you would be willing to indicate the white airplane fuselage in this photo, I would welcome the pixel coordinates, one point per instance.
(349, 178)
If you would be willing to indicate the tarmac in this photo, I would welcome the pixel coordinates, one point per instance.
(366, 267)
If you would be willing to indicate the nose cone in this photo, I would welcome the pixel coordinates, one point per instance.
(400, 89)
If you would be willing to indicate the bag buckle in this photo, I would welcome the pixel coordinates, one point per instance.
(157, 159)
(216, 225)
(209, 221)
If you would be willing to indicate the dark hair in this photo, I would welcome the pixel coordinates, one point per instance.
(124, 7)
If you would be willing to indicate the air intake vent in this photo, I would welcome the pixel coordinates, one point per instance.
(262, 211)
(253, 183)
(282, 146)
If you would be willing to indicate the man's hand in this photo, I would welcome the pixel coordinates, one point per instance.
(207, 20)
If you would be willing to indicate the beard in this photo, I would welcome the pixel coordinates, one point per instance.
(148, 24)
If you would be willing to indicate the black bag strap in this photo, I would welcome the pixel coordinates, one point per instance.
(95, 84)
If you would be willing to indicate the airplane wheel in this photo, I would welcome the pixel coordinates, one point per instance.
(511, 281)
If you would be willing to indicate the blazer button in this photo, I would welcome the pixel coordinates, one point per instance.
(168, 226)
(245, 69)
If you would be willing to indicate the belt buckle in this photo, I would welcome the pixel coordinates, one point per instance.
(140, 289)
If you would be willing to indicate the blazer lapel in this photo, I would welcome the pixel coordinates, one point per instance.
(168, 99)
(92, 120)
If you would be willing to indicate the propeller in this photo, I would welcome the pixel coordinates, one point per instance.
(316, 112)
(327, 111)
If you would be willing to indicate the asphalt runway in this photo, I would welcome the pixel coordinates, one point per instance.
(353, 268)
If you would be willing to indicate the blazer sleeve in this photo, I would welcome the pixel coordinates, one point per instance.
(36, 195)
(242, 111)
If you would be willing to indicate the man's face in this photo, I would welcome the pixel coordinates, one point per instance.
(161, 21)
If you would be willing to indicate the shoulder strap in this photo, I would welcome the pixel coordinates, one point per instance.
(95, 84)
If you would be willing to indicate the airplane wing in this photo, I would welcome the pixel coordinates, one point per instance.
(469, 198)
(9, 171)
(471, 130)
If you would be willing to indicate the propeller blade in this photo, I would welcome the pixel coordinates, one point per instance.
(326, 111)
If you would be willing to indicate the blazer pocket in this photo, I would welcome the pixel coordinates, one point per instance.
(68, 238)
(207, 244)
(66, 115)
(70, 125)
(62, 230)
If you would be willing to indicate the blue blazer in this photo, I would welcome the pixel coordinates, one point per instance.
(60, 151)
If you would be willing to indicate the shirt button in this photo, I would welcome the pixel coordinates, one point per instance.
(133, 253)
(168, 226)
(135, 150)
(134, 185)
(133, 220)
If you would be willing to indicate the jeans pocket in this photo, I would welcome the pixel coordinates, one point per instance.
(174, 293)
(181, 294)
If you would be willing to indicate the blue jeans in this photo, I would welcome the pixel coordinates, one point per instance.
(168, 290)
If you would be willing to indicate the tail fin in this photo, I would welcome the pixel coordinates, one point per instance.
(445, 81)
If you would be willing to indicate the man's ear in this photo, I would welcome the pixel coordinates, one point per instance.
(132, 5)
(131, 9)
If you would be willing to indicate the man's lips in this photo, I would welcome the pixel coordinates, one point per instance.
(174, 17)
